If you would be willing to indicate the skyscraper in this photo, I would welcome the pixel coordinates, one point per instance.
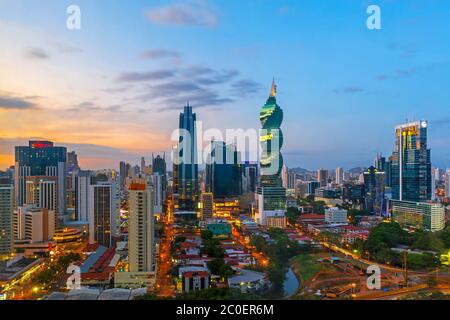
(382, 165)
(207, 205)
(159, 166)
(224, 171)
(250, 172)
(411, 163)
(72, 162)
(42, 192)
(285, 176)
(186, 179)
(101, 212)
(141, 245)
(41, 158)
(142, 165)
(322, 177)
(123, 173)
(447, 183)
(339, 175)
(292, 179)
(374, 188)
(271, 195)
(6, 216)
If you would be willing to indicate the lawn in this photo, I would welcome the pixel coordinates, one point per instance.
(306, 266)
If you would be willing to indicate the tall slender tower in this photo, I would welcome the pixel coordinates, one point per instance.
(271, 195)
(6, 217)
(141, 227)
(187, 168)
(271, 139)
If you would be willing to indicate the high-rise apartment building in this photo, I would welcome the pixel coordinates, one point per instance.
(447, 183)
(285, 176)
(6, 217)
(207, 201)
(374, 190)
(159, 166)
(33, 224)
(72, 162)
(101, 212)
(419, 215)
(42, 192)
(322, 177)
(339, 175)
(141, 246)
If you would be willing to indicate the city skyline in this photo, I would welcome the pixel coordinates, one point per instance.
(112, 102)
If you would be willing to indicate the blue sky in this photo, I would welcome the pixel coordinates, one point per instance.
(113, 89)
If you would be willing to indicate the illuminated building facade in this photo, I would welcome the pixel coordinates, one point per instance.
(411, 163)
(207, 205)
(101, 212)
(186, 170)
(223, 171)
(41, 158)
(419, 215)
(6, 216)
(141, 227)
(271, 195)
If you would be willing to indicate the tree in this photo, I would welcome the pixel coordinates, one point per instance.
(212, 248)
(428, 241)
(259, 243)
(220, 268)
(206, 235)
(292, 215)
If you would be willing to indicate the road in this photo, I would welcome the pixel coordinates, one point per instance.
(164, 284)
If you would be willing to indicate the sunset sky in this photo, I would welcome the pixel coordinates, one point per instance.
(113, 90)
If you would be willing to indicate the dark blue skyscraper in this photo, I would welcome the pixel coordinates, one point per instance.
(185, 162)
(224, 171)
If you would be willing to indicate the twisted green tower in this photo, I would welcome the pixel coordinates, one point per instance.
(271, 141)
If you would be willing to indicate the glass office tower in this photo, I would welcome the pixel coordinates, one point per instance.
(41, 158)
(186, 178)
(411, 163)
(224, 171)
(271, 195)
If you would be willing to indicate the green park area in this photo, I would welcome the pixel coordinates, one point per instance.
(306, 266)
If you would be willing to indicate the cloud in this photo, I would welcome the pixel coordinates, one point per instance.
(17, 103)
(154, 54)
(36, 53)
(145, 76)
(208, 76)
(218, 77)
(183, 15)
(244, 88)
(89, 106)
(397, 74)
(118, 89)
(348, 90)
(64, 48)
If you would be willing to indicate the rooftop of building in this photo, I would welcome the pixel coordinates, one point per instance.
(245, 276)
